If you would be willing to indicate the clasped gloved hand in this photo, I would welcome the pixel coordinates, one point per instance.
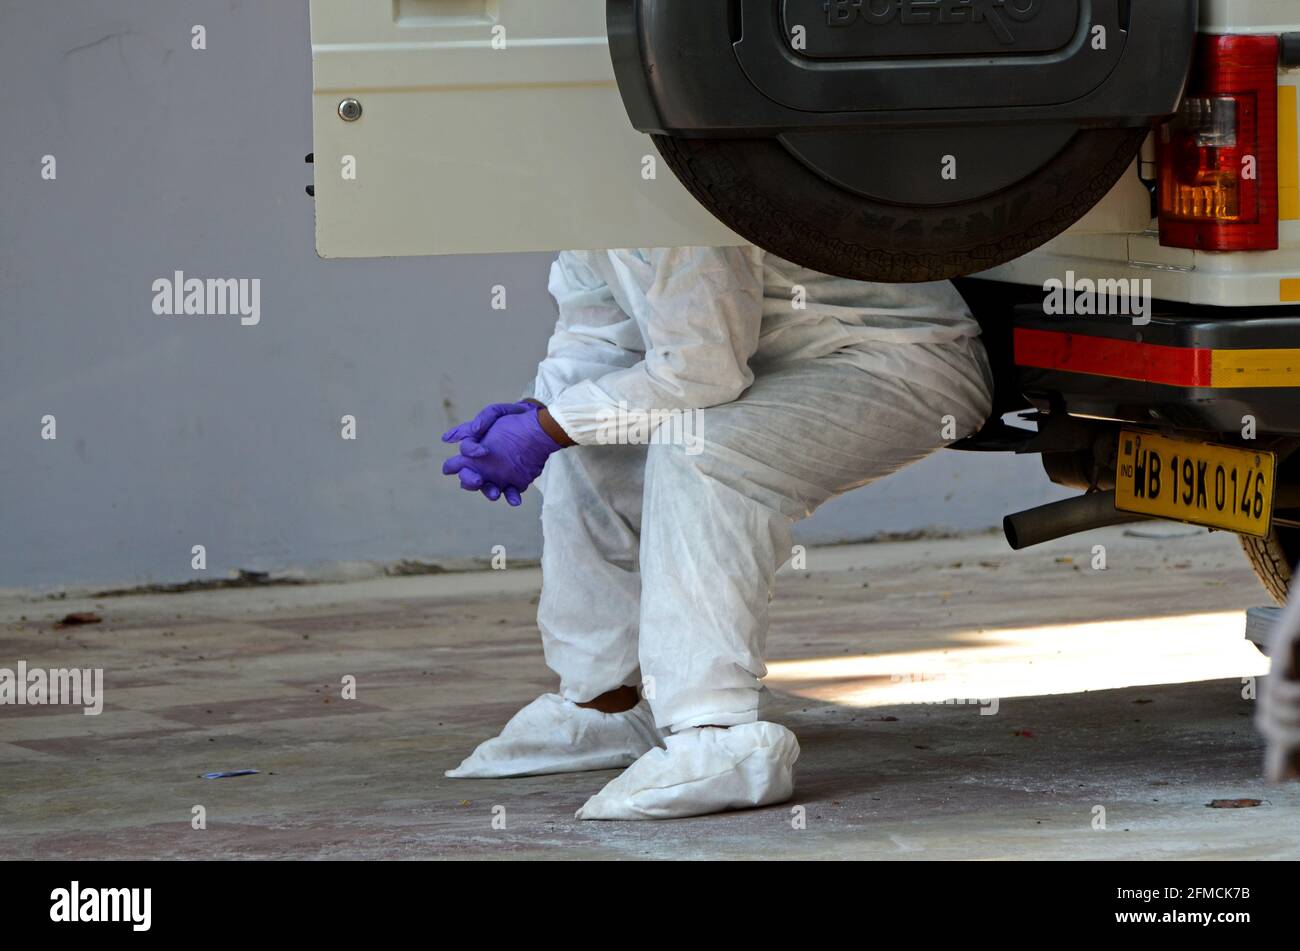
(502, 451)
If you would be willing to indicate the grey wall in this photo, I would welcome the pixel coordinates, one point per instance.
(181, 431)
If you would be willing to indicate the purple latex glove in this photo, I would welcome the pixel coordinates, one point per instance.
(480, 424)
(507, 457)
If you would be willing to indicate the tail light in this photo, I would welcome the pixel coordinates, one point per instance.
(1218, 155)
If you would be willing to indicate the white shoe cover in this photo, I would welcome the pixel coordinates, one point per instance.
(703, 771)
(554, 735)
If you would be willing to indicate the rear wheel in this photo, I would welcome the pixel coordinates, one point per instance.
(1273, 559)
(775, 199)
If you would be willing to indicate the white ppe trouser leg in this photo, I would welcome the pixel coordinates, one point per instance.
(591, 585)
(715, 523)
(588, 618)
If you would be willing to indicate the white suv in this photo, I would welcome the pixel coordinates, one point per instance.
(1115, 182)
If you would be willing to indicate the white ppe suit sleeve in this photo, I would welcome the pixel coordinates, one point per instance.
(593, 336)
(702, 320)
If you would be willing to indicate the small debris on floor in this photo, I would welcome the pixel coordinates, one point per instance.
(1234, 803)
(226, 774)
(80, 617)
(409, 567)
(1162, 531)
(242, 578)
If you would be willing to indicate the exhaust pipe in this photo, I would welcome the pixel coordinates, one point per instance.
(1067, 517)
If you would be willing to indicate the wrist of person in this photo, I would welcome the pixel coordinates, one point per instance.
(550, 426)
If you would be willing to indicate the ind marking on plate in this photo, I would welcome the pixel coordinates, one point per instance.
(1201, 483)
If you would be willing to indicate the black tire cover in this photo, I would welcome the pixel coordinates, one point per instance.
(769, 197)
(900, 140)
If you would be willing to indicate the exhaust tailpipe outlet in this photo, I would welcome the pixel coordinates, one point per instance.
(1055, 520)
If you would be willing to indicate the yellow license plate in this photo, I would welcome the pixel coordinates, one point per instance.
(1198, 482)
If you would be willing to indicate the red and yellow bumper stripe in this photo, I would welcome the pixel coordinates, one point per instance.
(1191, 367)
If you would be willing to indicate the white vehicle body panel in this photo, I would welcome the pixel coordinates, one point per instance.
(1250, 16)
(466, 148)
(1120, 239)
(463, 148)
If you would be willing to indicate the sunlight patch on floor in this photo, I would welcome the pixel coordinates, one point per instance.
(1021, 662)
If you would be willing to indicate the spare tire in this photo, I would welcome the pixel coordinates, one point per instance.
(763, 192)
(900, 140)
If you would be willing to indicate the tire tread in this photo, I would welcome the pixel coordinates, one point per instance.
(1270, 562)
(862, 241)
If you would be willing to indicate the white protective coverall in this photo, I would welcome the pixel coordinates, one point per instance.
(659, 560)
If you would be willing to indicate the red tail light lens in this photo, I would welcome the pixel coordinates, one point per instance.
(1218, 156)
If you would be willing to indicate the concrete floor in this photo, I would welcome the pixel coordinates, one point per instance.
(1119, 689)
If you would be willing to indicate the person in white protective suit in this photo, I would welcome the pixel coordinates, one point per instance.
(763, 389)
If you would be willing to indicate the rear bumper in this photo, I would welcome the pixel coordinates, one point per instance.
(1190, 368)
